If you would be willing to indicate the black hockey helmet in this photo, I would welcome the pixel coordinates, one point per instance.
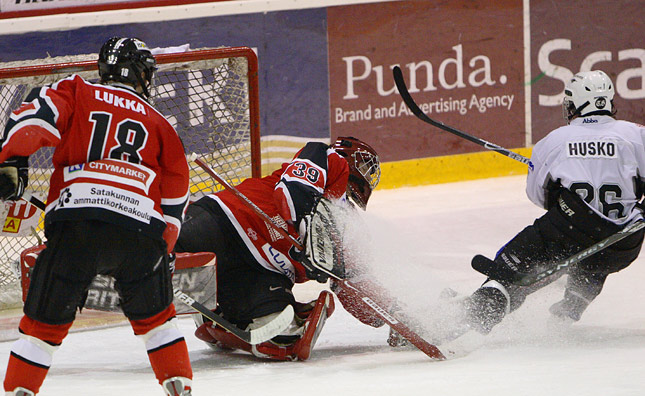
(364, 168)
(129, 61)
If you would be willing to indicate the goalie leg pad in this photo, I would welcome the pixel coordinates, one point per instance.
(323, 309)
(275, 349)
(216, 335)
(27, 262)
(225, 340)
(301, 349)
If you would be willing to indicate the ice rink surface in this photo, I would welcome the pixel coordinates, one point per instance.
(421, 241)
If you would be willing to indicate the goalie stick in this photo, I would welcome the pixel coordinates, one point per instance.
(245, 200)
(254, 336)
(371, 300)
(393, 321)
(496, 271)
(407, 98)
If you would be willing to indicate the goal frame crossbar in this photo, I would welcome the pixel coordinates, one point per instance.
(67, 68)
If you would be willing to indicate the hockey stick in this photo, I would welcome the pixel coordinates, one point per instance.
(495, 271)
(255, 336)
(395, 323)
(371, 300)
(407, 98)
(27, 196)
(245, 200)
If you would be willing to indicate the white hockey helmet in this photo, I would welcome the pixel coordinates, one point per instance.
(588, 93)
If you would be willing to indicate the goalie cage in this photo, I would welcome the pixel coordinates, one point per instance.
(210, 96)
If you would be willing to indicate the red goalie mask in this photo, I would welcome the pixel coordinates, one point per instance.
(364, 168)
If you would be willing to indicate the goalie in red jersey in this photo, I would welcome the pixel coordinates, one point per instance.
(256, 266)
(116, 202)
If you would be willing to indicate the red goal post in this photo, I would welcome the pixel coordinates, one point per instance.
(210, 96)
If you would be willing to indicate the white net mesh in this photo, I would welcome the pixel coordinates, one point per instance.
(207, 96)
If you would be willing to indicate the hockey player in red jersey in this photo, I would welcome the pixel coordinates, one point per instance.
(116, 201)
(256, 266)
(588, 176)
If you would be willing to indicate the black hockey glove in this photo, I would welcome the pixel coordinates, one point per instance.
(553, 190)
(14, 175)
(311, 271)
(172, 260)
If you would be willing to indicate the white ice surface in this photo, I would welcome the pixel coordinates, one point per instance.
(422, 241)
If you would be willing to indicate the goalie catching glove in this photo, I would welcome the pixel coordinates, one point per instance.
(14, 175)
(322, 240)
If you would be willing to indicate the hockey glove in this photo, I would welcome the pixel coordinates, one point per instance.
(312, 272)
(172, 260)
(300, 256)
(14, 175)
(322, 256)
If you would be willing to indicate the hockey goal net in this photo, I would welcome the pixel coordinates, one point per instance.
(210, 96)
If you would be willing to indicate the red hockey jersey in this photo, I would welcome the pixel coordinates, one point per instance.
(116, 158)
(286, 196)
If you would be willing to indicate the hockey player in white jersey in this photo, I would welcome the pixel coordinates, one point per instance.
(588, 175)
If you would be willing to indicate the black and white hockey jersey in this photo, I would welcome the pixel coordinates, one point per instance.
(599, 158)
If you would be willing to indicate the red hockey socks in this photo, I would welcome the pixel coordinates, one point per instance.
(32, 354)
(165, 344)
(171, 361)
